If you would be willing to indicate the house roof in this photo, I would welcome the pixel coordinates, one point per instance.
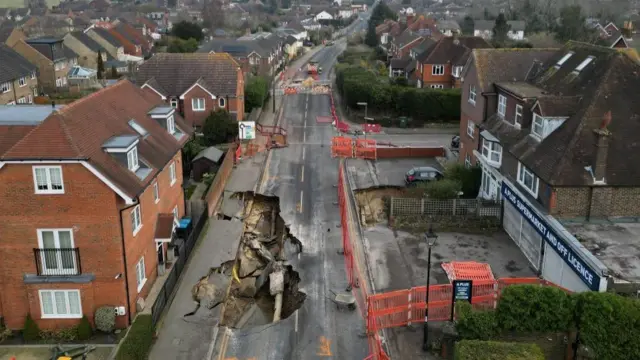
(485, 25)
(212, 153)
(78, 131)
(46, 48)
(87, 41)
(499, 65)
(176, 73)
(5, 31)
(13, 65)
(605, 85)
(107, 36)
(406, 38)
(448, 25)
(69, 53)
(450, 50)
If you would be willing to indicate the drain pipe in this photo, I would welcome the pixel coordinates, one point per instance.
(276, 288)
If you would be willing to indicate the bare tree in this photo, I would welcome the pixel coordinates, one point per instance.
(212, 14)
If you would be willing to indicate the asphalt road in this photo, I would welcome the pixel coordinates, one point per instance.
(303, 176)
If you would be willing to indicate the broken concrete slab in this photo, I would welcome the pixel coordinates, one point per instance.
(249, 266)
(232, 205)
(276, 282)
(247, 287)
(246, 174)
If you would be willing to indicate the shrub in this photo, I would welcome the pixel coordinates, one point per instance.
(84, 329)
(30, 331)
(443, 189)
(494, 350)
(5, 334)
(470, 178)
(60, 335)
(473, 324)
(137, 342)
(532, 308)
(105, 319)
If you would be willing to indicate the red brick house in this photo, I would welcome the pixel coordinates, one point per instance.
(130, 47)
(91, 192)
(440, 65)
(195, 84)
(484, 68)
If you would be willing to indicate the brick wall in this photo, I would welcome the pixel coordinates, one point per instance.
(194, 117)
(217, 187)
(429, 79)
(390, 152)
(46, 74)
(18, 91)
(597, 202)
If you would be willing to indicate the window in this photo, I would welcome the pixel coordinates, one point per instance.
(437, 86)
(48, 179)
(467, 160)
(5, 87)
(584, 64)
(437, 70)
(30, 99)
(22, 100)
(22, 81)
(471, 128)
(33, 75)
(141, 277)
(60, 304)
(132, 159)
(528, 180)
(58, 82)
(53, 260)
(64, 81)
(492, 151)
(517, 119)
(156, 192)
(564, 59)
(197, 104)
(472, 94)
(457, 70)
(136, 220)
(176, 214)
(174, 103)
(537, 128)
(35, 91)
(11, 103)
(502, 105)
(222, 102)
(171, 125)
(172, 173)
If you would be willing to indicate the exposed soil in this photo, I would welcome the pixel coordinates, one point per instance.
(374, 203)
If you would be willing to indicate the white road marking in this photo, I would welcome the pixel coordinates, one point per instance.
(304, 137)
(302, 175)
(301, 200)
(296, 324)
(303, 152)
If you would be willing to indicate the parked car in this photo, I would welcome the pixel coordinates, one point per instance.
(422, 174)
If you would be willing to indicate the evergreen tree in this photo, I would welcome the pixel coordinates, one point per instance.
(467, 25)
(100, 65)
(114, 72)
(501, 29)
(371, 39)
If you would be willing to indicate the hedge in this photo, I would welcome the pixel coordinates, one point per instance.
(494, 350)
(358, 84)
(137, 342)
(472, 324)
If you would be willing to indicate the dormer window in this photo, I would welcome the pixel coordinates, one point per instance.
(171, 124)
(584, 64)
(564, 59)
(132, 159)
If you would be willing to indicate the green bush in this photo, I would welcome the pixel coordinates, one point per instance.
(531, 308)
(256, 91)
(69, 334)
(30, 331)
(84, 329)
(494, 350)
(137, 342)
(470, 179)
(475, 324)
(609, 325)
(442, 190)
(105, 318)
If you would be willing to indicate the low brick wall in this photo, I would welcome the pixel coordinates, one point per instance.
(409, 152)
(217, 187)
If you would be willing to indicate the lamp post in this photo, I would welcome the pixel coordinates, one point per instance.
(366, 105)
(431, 239)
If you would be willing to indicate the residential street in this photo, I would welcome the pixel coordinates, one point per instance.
(303, 177)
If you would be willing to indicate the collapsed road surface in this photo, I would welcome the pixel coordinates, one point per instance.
(303, 177)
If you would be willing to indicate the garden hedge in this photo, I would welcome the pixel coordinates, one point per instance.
(494, 350)
(527, 308)
(137, 342)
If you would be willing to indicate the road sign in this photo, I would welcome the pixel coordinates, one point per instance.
(247, 130)
(462, 291)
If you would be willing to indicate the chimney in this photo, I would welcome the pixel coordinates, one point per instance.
(603, 136)
(410, 19)
(456, 40)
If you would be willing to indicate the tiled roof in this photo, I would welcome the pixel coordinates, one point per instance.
(11, 134)
(87, 41)
(406, 38)
(451, 50)
(46, 46)
(77, 132)
(13, 65)
(176, 73)
(107, 36)
(484, 25)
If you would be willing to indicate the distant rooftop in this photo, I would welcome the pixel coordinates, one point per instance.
(43, 40)
(120, 141)
(25, 114)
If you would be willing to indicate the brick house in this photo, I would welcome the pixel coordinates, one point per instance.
(107, 41)
(195, 84)
(402, 44)
(50, 57)
(440, 65)
(131, 47)
(484, 68)
(560, 135)
(18, 80)
(98, 185)
(86, 48)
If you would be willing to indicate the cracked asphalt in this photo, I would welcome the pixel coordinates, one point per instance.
(303, 176)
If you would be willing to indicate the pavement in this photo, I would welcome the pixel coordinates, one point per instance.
(303, 176)
(191, 338)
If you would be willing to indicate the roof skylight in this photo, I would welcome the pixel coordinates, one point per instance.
(138, 128)
(584, 63)
(564, 59)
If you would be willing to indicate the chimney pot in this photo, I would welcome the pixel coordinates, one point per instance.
(603, 136)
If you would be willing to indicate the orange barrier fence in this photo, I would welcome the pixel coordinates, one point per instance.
(342, 147)
(347, 147)
(365, 149)
(409, 152)
(403, 307)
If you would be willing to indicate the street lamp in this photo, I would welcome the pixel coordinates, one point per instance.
(431, 239)
(366, 105)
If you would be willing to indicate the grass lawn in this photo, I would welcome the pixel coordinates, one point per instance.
(41, 353)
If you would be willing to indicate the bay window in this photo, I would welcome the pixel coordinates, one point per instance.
(492, 151)
(528, 180)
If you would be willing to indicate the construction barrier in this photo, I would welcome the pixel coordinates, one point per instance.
(365, 149)
(238, 154)
(372, 128)
(341, 147)
(409, 152)
(347, 147)
(404, 307)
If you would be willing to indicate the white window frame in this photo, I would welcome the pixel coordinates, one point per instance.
(56, 238)
(517, 117)
(437, 86)
(33, 75)
(55, 315)
(471, 128)
(222, 102)
(584, 64)
(174, 103)
(196, 104)
(50, 190)
(136, 219)
(172, 173)
(5, 87)
(535, 123)
(457, 70)
(472, 95)
(523, 172)
(22, 100)
(156, 192)
(176, 213)
(467, 160)
(30, 99)
(171, 124)
(133, 163)
(491, 148)
(141, 274)
(437, 70)
(22, 81)
(502, 105)
(564, 59)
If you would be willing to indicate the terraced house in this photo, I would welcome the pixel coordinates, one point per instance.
(18, 81)
(91, 192)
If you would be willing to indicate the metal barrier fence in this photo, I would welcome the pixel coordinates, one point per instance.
(453, 207)
(404, 307)
(172, 279)
(346, 147)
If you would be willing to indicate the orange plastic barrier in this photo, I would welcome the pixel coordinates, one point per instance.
(341, 147)
(365, 149)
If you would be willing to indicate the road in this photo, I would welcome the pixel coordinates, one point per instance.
(303, 176)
